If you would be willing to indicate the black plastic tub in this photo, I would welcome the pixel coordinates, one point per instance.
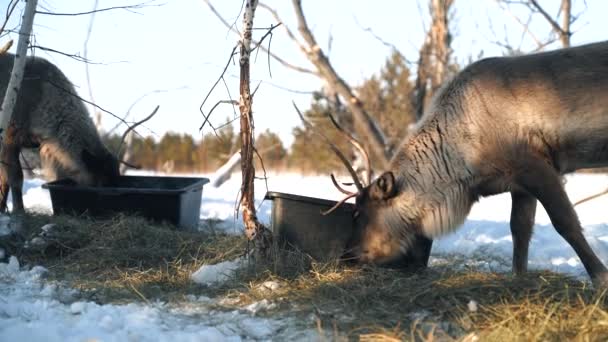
(297, 222)
(176, 200)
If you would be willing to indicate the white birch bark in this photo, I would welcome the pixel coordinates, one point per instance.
(12, 90)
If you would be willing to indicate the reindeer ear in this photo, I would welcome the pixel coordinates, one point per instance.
(384, 187)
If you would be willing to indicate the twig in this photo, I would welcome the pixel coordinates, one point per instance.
(86, 66)
(232, 102)
(263, 169)
(108, 133)
(127, 8)
(86, 101)
(333, 148)
(232, 54)
(315, 55)
(589, 198)
(124, 135)
(70, 55)
(547, 17)
(269, 33)
(136, 167)
(277, 58)
(9, 11)
(525, 26)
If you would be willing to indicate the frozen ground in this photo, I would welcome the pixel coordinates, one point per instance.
(32, 309)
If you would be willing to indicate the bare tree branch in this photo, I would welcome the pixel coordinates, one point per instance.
(9, 11)
(554, 25)
(276, 57)
(97, 115)
(232, 102)
(127, 8)
(525, 26)
(232, 54)
(288, 31)
(363, 120)
(131, 128)
(563, 32)
(109, 132)
(75, 57)
(333, 147)
(589, 198)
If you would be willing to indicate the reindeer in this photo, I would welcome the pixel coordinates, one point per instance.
(509, 124)
(50, 117)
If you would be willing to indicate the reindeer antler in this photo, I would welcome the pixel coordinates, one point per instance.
(330, 210)
(341, 189)
(334, 148)
(357, 145)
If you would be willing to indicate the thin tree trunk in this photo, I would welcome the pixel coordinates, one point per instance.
(435, 54)
(254, 230)
(12, 90)
(565, 34)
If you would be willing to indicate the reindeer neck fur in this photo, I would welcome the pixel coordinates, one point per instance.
(433, 180)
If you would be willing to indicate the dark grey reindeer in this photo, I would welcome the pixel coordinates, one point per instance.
(50, 117)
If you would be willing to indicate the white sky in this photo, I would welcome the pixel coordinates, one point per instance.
(180, 48)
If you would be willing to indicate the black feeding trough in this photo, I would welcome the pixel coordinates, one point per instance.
(297, 222)
(176, 200)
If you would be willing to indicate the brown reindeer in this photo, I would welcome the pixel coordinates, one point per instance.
(49, 116)
(511, 124)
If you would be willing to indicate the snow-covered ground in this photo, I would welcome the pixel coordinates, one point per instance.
(32, 309)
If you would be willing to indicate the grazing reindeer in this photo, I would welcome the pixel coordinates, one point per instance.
(513, 124)
(50, 117)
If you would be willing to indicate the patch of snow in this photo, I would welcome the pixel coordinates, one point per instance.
(262, 305)
(31, 311)
(269, 286)
(472, 305)
(213, 274)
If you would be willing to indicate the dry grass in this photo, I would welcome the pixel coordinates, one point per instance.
(127, 259)
(122, 258)
(376, 304)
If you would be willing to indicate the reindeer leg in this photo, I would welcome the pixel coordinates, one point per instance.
(15, 177)
(3, 185)
(544, 183)
(523, 211)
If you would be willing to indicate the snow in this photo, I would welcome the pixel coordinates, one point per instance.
(35, 309)
(211, 274)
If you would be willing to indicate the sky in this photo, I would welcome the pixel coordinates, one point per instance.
(171, 53)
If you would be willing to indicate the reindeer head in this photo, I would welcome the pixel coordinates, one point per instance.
(381, 234)
(102, 168)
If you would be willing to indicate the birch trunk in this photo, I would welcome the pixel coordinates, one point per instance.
(12, 90)
(254, 231)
